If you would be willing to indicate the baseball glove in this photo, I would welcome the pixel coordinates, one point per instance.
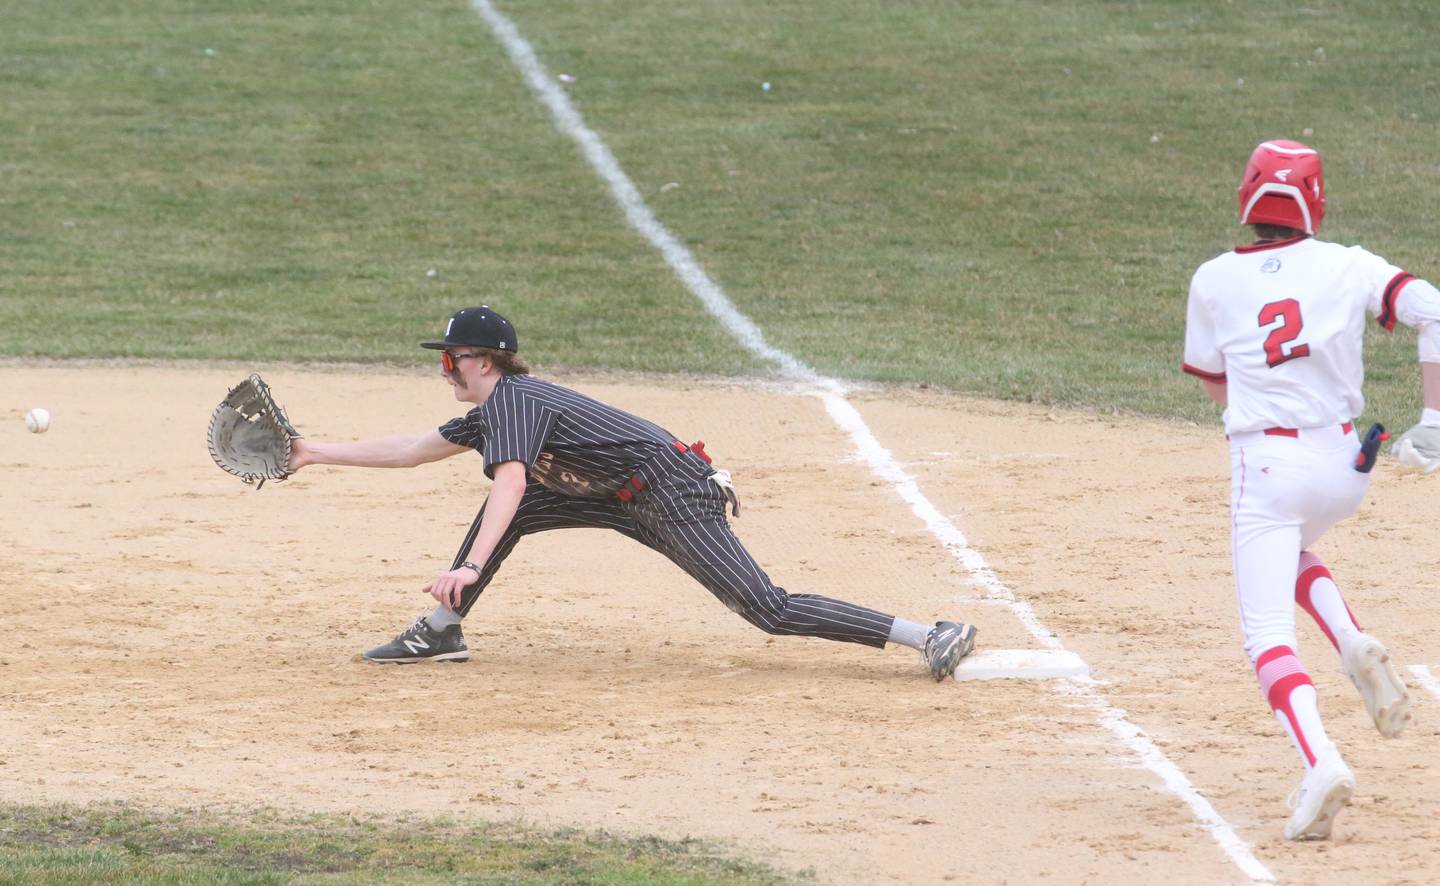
(1419, 448)
(250, 434)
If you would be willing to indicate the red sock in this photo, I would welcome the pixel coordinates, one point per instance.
(1291, 694)
(1317, 594)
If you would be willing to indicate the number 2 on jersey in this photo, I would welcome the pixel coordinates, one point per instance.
(1288, 312)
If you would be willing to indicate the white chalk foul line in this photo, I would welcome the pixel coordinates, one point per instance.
(832, 391)
(1427, 679)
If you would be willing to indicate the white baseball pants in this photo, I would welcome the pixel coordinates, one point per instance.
(1285, 492)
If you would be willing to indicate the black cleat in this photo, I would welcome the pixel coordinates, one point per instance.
(945, 645)
(420, 642)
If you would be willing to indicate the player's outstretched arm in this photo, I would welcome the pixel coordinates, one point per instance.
(1418, 305)
(379, 452)
(1419, 447)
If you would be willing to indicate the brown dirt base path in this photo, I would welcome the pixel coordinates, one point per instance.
(174, 639)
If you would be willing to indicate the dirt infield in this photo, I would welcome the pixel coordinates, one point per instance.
(177, 640)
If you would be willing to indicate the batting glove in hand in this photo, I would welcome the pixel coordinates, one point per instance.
(1419, 448)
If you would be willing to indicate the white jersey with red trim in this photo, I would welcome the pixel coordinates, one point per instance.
(1281, 324)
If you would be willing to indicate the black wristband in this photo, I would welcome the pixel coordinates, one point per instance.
(468, 565)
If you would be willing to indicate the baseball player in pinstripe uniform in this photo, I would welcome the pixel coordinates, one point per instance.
(559, 459)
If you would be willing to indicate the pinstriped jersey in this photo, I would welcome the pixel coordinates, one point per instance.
(1282, 325)
(570, 443)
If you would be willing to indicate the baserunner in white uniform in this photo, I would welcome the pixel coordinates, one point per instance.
(1274, 330)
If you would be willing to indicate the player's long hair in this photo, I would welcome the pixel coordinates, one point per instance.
(508, 362)
(1276, 232)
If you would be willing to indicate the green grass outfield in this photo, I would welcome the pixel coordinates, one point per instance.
(1005, 198)
(117, 844)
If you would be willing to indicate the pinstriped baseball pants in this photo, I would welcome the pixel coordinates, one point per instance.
(682, 515)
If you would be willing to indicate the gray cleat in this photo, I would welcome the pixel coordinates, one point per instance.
(420, 642)
(945, 645)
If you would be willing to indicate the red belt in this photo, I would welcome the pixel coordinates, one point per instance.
(637, 483)
(1295, 432)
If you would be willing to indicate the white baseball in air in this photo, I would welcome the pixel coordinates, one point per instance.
(38, 420)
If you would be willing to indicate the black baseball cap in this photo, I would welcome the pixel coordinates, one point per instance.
(477, 328)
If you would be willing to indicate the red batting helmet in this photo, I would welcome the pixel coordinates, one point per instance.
(1283, 185)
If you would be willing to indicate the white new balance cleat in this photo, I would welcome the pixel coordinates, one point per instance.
(1387, 701)
(1323, 793)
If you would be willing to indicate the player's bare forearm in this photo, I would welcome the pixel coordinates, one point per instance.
(379, 452)
(1215, 391)
(1430, 379)
(500, 508)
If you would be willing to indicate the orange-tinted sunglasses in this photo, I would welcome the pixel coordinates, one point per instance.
(448, 361)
